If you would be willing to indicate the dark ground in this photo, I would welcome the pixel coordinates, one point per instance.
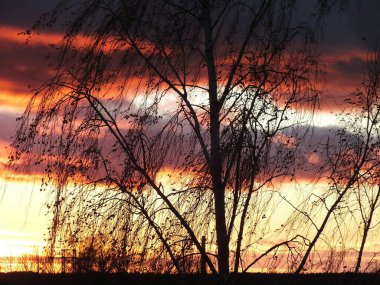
(24, 278)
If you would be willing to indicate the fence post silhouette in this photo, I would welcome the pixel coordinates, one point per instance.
(63, 261)
(203, 259)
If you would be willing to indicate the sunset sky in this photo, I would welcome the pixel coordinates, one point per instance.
(23, 60)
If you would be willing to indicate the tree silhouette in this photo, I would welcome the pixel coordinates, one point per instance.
(368, 191)
(350, 166)
(167, 121)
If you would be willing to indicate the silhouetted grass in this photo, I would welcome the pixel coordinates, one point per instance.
(25, 278)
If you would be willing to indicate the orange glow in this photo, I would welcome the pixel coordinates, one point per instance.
(313, 158)
(289, 142)
(19, 36)
(14, 35)
(13, 100)
(333, 55)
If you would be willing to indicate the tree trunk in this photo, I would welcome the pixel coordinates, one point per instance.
(367, 226)
(360, 254)
(320, 230)
(241, 230)
(215, 153)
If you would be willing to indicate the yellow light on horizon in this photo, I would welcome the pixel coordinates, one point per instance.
(19, 247)
(23, 221)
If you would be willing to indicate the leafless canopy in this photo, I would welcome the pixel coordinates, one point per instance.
(167, 121)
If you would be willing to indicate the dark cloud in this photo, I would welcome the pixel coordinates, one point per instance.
(310, 158)
(309, 165)
(344, 31)
(7, 125)
(346, 38)
(345, 73)
(23, 13)
(23, 64)
(352, 24)
(354, 27)
(367, 20)
(352, 69)
(26, 65)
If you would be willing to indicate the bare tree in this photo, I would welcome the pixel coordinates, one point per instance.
(368, 191)
(368, 198)
(170, 120)
(350, 158)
